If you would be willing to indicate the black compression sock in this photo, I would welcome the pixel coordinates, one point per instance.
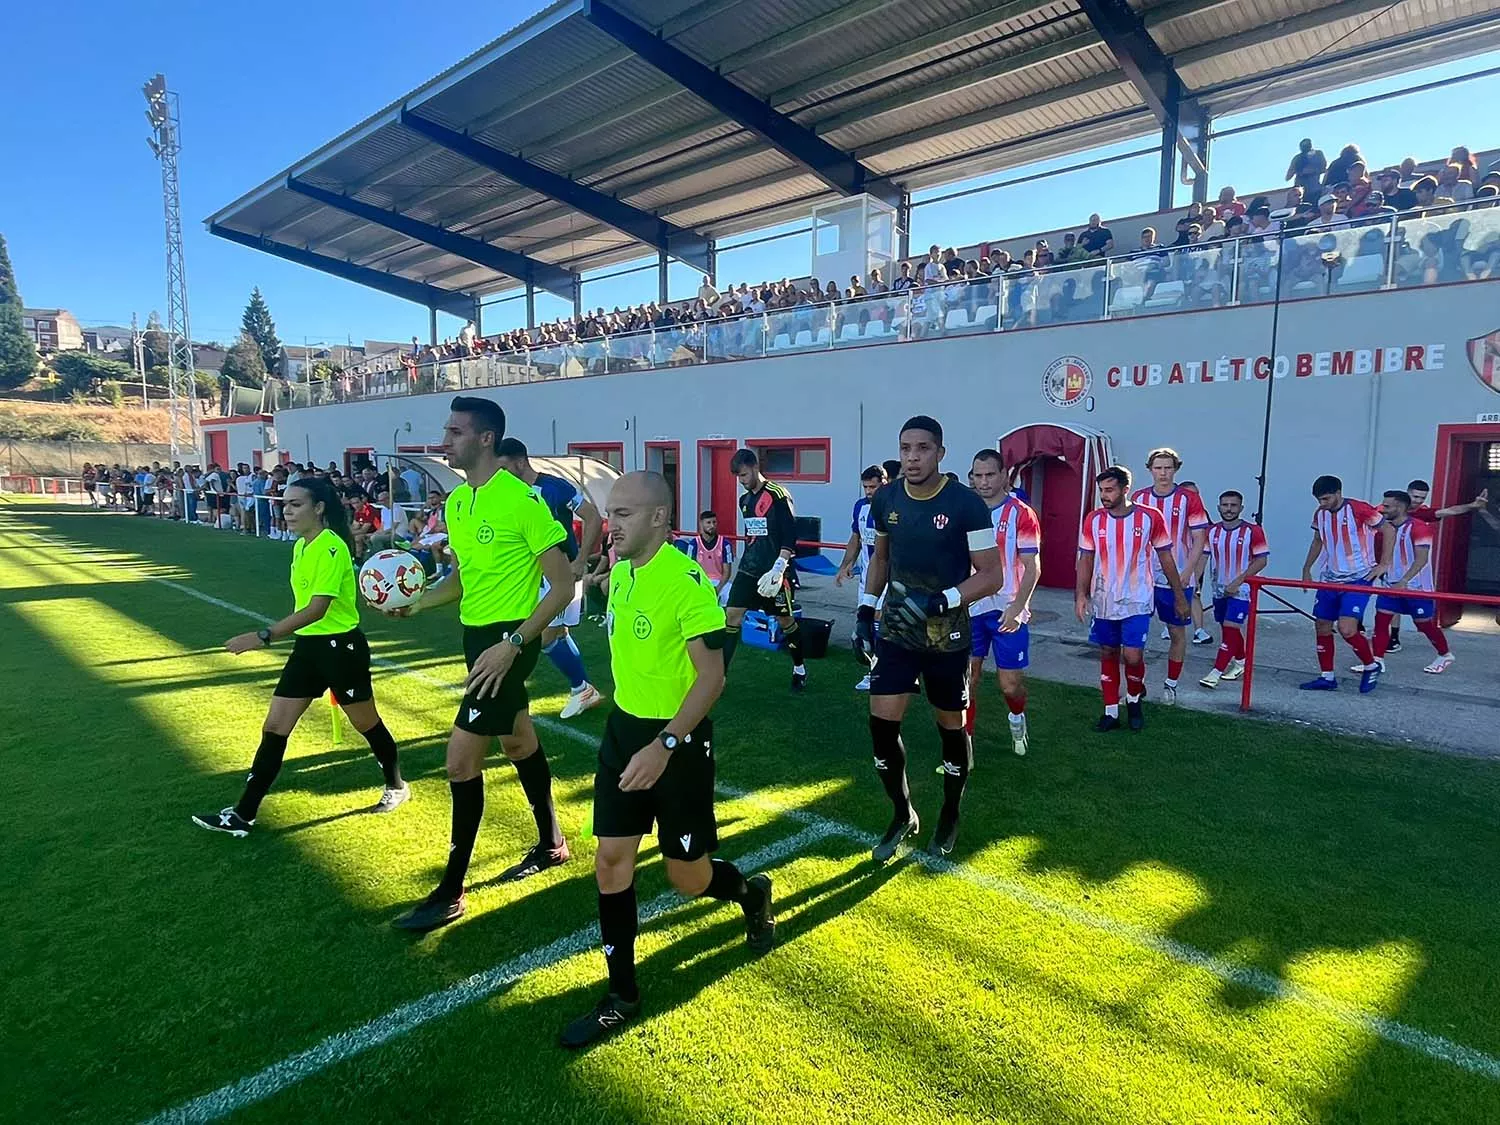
(958, 760)
(792, 639)
(468, 811)
(728, 885)
(731, 642)
(618, 924)
(263, 771)
(536, 783)
(890, 763)
(383, 746)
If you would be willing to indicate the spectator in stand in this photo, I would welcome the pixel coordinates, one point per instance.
(1468, 166)
(1000, 262)
(1071, 251)
(364, 522)
(903, 282)
(1307, 169)
(1425, 190)
(1043, 256)
(1228, 205)
(707, 293)
(369, 482)
(1358, 175)
(1338, 170)
(1408, 169)
(1096, 238)
(466, 338)
(1491, 178)
(1213, 227)
(1389, 184)
(877, 283)
(932, 268)
(1450, 187)
(1328, 217)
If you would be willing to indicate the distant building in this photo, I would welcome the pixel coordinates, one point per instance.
(107, 338)
(53, 330)
(208, 358)
(296, 359)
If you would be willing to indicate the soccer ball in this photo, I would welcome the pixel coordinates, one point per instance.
(391, 579)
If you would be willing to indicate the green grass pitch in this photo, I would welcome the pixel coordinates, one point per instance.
(1214, 921)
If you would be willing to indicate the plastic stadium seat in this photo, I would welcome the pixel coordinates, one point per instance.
(1126, 300)
(781, 343)
(987, 317)
(1167, 295)
(849, 332)
(804, 339)
(1367, 269)
(875, 328)
(825, 337)
(956, 318)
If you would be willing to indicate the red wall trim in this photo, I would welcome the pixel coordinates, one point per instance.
(822, 443)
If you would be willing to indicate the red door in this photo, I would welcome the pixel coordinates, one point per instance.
(718, 490)
(1058, 511)
(218, 447)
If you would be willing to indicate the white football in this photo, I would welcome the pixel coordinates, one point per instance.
(391, 579)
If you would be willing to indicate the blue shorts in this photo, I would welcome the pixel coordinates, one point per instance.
(1330, 605)
(1418, 609)
(1128, 632)
(1232, 610)
(1166, 606)
(1011, 651)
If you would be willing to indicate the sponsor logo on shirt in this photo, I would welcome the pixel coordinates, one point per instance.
(940, 521)
(755, 525)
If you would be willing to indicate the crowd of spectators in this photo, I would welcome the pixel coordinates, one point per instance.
(946, 291)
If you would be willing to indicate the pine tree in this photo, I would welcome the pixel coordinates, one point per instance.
(258, 325)
(18, 359)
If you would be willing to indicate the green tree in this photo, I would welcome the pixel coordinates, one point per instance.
(18, 359)
(243, 363)
(325, 369)
(258, 325)
(155, 343)
(81, 371)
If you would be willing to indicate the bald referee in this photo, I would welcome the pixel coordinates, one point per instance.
(656, 760)
(504, 541)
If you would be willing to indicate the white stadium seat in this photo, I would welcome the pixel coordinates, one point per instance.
(1127, 299)
(849, 332)
(956, 318)
(1167, 294)
(781, 343)
(804, 339)
(1367, 269)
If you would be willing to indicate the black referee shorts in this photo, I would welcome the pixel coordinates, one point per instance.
(680, 804)
(899, 670)
(743, 594)
(337, 662)
(496, 715)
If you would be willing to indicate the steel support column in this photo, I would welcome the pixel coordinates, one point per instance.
(661, 279)
(432, 336)
(530, 305)
(903, 233)
(1166, 189)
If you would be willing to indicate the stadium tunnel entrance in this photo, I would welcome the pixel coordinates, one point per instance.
(1055, 467)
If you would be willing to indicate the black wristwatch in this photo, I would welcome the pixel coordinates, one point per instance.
(671, 742)
(265, 637)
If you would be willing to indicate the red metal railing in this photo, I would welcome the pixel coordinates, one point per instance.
(1258, 582)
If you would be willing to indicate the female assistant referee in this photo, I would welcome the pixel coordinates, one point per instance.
(329, 653)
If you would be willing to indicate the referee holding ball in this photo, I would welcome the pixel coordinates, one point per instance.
(656, 759)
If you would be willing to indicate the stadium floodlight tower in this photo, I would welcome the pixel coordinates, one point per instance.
(182, 398)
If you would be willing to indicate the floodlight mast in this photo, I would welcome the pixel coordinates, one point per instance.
(161, 112)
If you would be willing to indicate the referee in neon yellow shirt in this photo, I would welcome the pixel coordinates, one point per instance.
(504, 541)
(656, 761)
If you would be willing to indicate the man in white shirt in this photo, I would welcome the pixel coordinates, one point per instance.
(932, 268)
(708, 294)
(244, 489)
(1328, 217)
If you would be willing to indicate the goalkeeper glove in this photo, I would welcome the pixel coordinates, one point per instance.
(912, 610)
(864, 629)
(770, 582)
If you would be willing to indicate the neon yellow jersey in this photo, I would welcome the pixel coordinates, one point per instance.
(498, 532)
(323, 568)
(654, 610)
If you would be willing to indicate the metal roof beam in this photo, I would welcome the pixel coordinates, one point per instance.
(460, 305)
(684, 245)
(1151, 73)
(837, 169)
(554, 279)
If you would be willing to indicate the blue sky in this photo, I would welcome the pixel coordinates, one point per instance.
(83, 218)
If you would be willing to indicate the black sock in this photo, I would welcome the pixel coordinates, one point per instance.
(263, 771)
(731, 642)
(383, 746)
(792, 639)
(536, 783)
(890, 763)
(468, 811)
(727, 885)
(958, 760)
(618, 924)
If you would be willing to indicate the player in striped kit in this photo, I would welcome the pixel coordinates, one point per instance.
(1187, 527)
(999, 621)
(1237, 550)
(1119, 549)
(1411, 569)
(861, 547)
(1344, 550)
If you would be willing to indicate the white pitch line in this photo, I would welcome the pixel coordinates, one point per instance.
(398, 1021)
(1392, 1031)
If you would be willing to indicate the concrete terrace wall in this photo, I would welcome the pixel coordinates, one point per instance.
(1198, 381)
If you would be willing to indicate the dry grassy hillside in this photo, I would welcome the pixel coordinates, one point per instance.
(30, 420)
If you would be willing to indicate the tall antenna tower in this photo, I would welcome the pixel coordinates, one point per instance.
(182, 396)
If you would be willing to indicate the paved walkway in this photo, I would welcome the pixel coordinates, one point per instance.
(1458, 710)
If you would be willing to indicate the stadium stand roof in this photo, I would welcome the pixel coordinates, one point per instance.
(601, 130)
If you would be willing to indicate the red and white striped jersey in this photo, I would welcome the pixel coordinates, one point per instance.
(1231, 550)
(1017, 532)
(1124, 550)
(1184, 513)
(1348, 535)
(1410, 535)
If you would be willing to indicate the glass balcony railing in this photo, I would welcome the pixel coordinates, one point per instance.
(1436, 246)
